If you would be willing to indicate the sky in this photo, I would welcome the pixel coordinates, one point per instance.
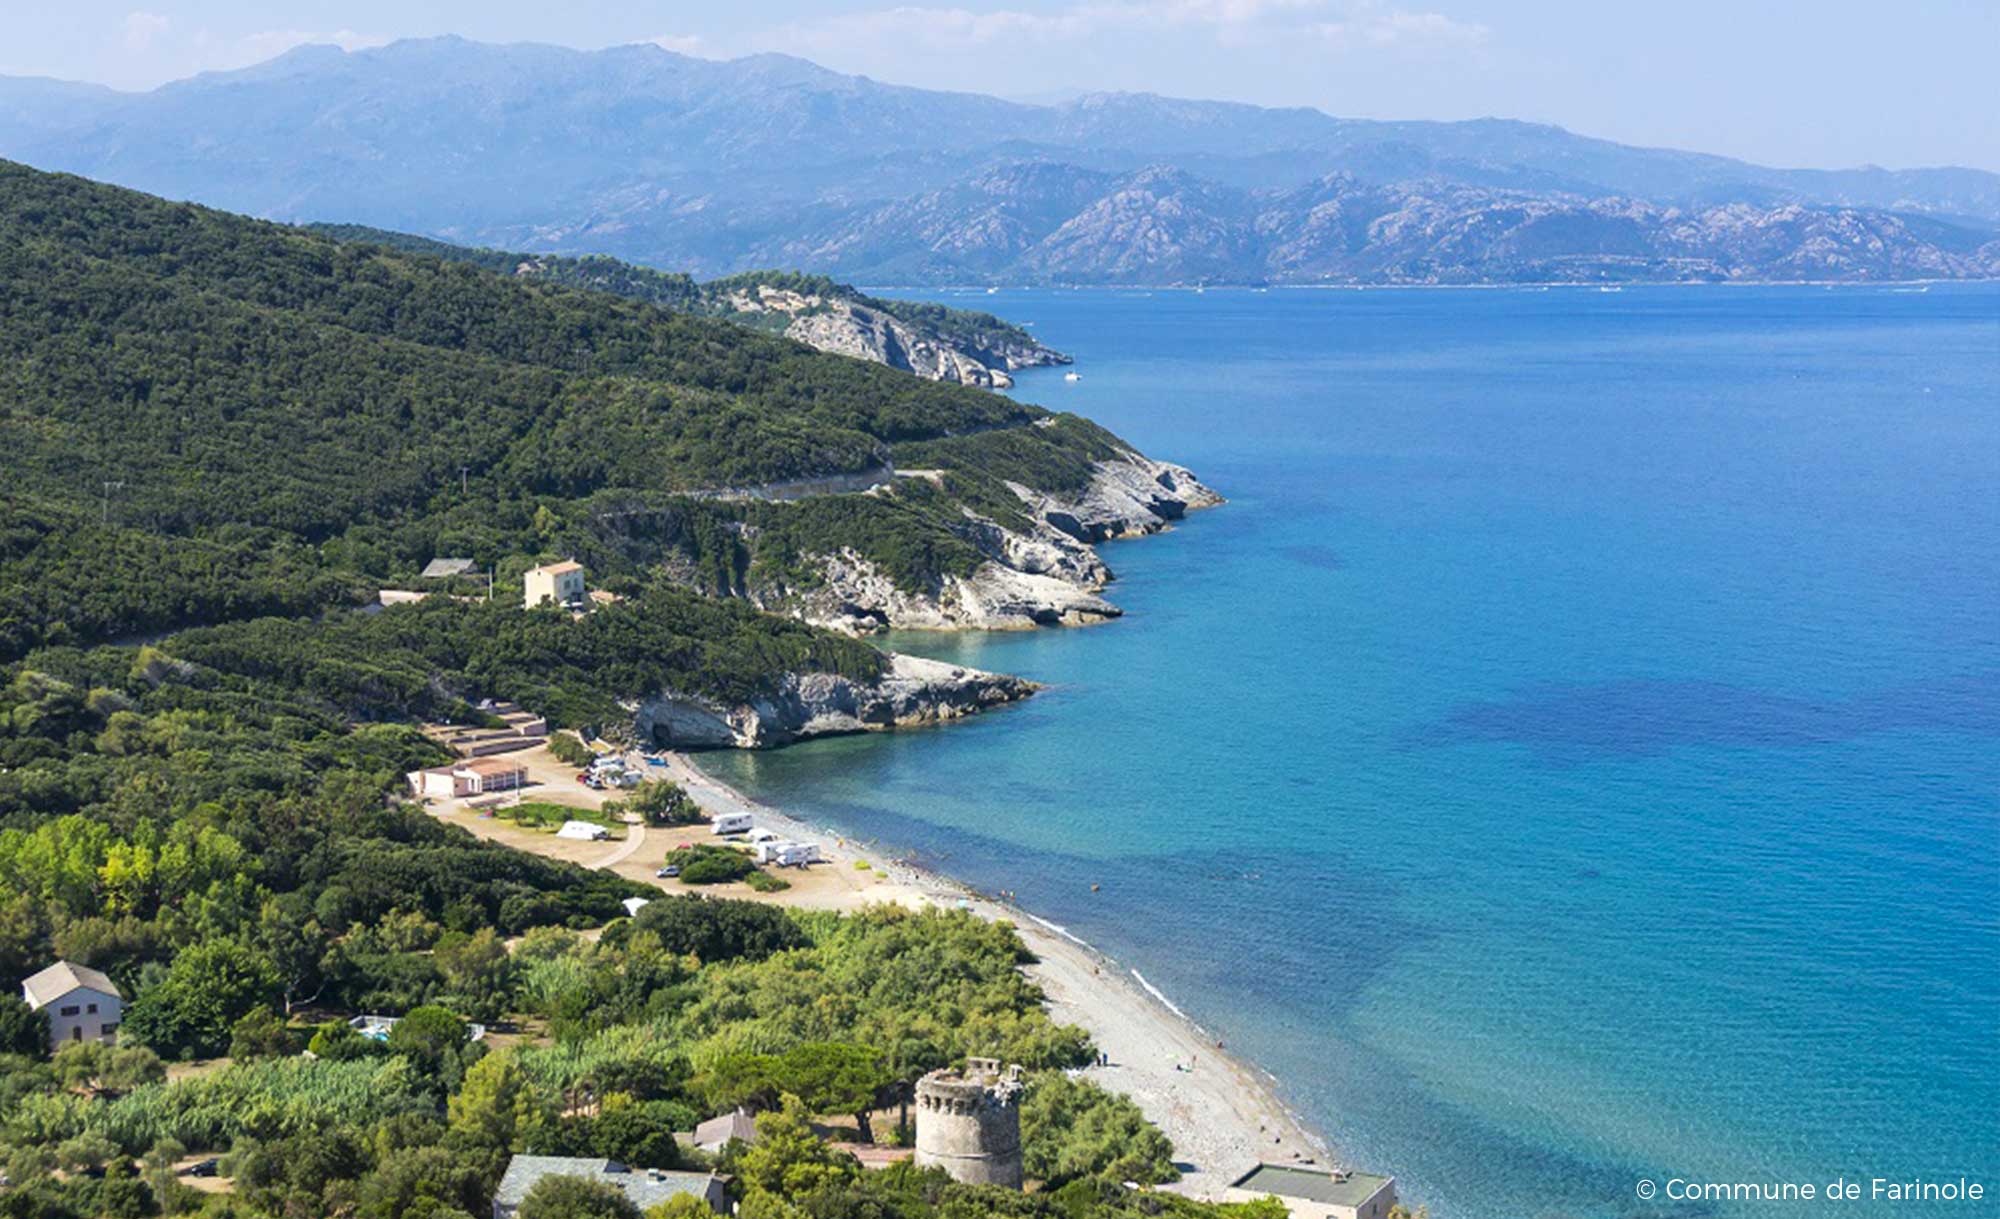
(1830, 83)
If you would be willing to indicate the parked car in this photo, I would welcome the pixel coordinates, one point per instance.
(670, 870)
(203, 1168)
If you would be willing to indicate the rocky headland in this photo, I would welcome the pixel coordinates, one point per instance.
(1047, 573)
(911, 691)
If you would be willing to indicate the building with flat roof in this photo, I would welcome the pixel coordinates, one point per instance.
(646, 1187)
(561, 583)
(470, 777)
(81, 1003)
(1317, 1193)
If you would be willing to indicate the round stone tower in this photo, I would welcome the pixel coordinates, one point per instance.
(969, 1123)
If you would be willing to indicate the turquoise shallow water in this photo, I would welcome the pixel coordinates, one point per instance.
(1569, 758)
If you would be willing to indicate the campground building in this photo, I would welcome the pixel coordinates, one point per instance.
(471, 777)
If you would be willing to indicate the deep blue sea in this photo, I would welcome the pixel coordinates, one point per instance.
(1571, 757)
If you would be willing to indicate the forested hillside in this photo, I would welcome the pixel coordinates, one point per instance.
(969, 330)
(221, 438)
(206, 416)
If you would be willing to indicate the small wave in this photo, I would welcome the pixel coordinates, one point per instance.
(1155, 992)
(1062, 931)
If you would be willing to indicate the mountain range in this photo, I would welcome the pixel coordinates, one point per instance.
(714, 167)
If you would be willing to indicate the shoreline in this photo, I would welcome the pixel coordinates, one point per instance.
(1221, 1112)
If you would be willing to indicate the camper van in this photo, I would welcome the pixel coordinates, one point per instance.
(786, 854)
(732, 823)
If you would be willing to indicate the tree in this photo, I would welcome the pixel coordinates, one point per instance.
(477, 971)
(719, 930)
(641, 1135)
(833, 1077)
(108, 1069)
(496, 1105)
(261, 1033)
(659, 802)
(576, 1198)
(1071, 1129)
(739, 1079)
(788, 1160)
(428, 1033)
(207, 989)
(422, 1180)
(681, 1206)
(23, 1029)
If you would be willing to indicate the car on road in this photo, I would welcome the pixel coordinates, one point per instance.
(670, 870)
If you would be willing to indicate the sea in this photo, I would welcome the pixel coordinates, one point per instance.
(1570, 761)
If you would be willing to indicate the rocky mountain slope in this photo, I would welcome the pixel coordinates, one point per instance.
(716, 167)
(1043, 223)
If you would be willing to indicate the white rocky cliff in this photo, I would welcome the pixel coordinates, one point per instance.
(850, 328)
(1047, 575)
(912, 691)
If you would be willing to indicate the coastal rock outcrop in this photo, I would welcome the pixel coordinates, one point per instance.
(1046, 574)
(911, 691)
(849, 327)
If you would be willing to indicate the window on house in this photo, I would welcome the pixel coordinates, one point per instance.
(70, 1010)
(109, 1030)
(92, 1009)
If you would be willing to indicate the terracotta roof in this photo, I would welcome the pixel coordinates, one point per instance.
(557, 569)
(63, 977)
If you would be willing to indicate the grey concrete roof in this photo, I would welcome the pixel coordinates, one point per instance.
(437, 569)
(61, 978)
(645, 1187)
(1312, 1184)
(719, 1130)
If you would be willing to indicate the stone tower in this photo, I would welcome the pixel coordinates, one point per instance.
(969, 1123)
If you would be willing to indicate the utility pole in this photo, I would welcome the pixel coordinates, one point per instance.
(110, 485)
(461, 478)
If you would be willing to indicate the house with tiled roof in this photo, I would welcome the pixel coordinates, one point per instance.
(81, 1003)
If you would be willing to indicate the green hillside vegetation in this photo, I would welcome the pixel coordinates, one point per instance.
(676, 290)
(222, 438)
(692, 1008)
(209, 417)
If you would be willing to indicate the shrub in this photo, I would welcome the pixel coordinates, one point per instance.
(719, 930)
(711, 865)
(570, 750)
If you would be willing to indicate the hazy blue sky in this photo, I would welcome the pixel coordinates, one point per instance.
(1788, 82)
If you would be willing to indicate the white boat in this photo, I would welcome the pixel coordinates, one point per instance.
(1072, 376)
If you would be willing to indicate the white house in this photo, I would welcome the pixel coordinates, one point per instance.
(82, 1004)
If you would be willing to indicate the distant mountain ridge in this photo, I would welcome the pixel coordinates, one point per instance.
(717, 167)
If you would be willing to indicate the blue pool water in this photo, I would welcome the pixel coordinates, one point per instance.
(1572, 756)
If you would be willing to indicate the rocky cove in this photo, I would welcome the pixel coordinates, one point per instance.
(1048, 574)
